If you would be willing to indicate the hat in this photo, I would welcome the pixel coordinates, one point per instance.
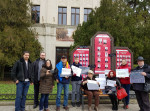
(90, 72)
(140, 58)
(64, 57)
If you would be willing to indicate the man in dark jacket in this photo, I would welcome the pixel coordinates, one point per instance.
(22, 76)
(62, 82)
(37, 66)
(141, 95)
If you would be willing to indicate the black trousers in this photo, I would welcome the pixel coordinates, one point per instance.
(143, 100)
(113, 99)
(36, 92)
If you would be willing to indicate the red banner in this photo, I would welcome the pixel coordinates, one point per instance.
(102, 51)
(123, 54)
(83, 54)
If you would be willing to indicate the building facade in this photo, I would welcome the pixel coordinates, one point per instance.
(56, 21)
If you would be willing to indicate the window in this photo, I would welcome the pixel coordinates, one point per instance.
(62, 16)
(86, 14)
(36, 13)
(62, 51)
(75, 16)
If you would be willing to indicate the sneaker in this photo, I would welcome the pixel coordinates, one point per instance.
(46, 110)
(57, 108)
(109, 92)
(78, 104)
(127, 107)
(66, 108)
(73, 104)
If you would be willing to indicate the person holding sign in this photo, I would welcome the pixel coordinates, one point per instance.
(62, 82)
(111, 89)
(46, 84)
(125, 82)
(76, 83)
(91, 93)
(141, 95)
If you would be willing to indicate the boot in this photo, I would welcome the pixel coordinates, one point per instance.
(115, 105)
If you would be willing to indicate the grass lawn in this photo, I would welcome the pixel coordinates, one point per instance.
(9, 87)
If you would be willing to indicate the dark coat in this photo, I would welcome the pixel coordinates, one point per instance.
(140, 86)
(18, 71)
(85, 85)
(107, 88)
(76, 78)
(114, 79)
(46, 82)
(35, 70)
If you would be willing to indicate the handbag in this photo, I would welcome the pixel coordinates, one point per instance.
(121, 93)
(147, 87)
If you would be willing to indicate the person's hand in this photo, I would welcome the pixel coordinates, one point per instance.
(17, 81)
(98, 83)
(47, 72)
(115, 84)
(52, 86)
(31, 83)
(143, 73)
(85, 82)
(66, 77)
(57, 80)
(74, 74)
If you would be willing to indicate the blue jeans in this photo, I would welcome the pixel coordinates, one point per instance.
(60, 86)
(127, 88)
(22, 90)
(44, 101)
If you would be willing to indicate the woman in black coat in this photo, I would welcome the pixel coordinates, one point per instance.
(111, 91)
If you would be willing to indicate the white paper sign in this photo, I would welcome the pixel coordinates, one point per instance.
(92, 85)
(65, 72)
(84, 69)
(111, 83)
(102, 76)
(122, 73)
(76, 70)
(102, 82)
(107, 71)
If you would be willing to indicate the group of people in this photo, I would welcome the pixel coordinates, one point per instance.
(40, 74)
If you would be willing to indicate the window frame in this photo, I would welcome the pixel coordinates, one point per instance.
(35, 13)
(62, 13)
(87, 14)
(75, 16)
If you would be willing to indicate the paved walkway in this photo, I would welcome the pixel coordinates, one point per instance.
(102, 107)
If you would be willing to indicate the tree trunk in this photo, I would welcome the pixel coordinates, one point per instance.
(2, 72)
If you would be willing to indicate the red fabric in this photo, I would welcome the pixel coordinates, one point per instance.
(114, 74)
(125, 80)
